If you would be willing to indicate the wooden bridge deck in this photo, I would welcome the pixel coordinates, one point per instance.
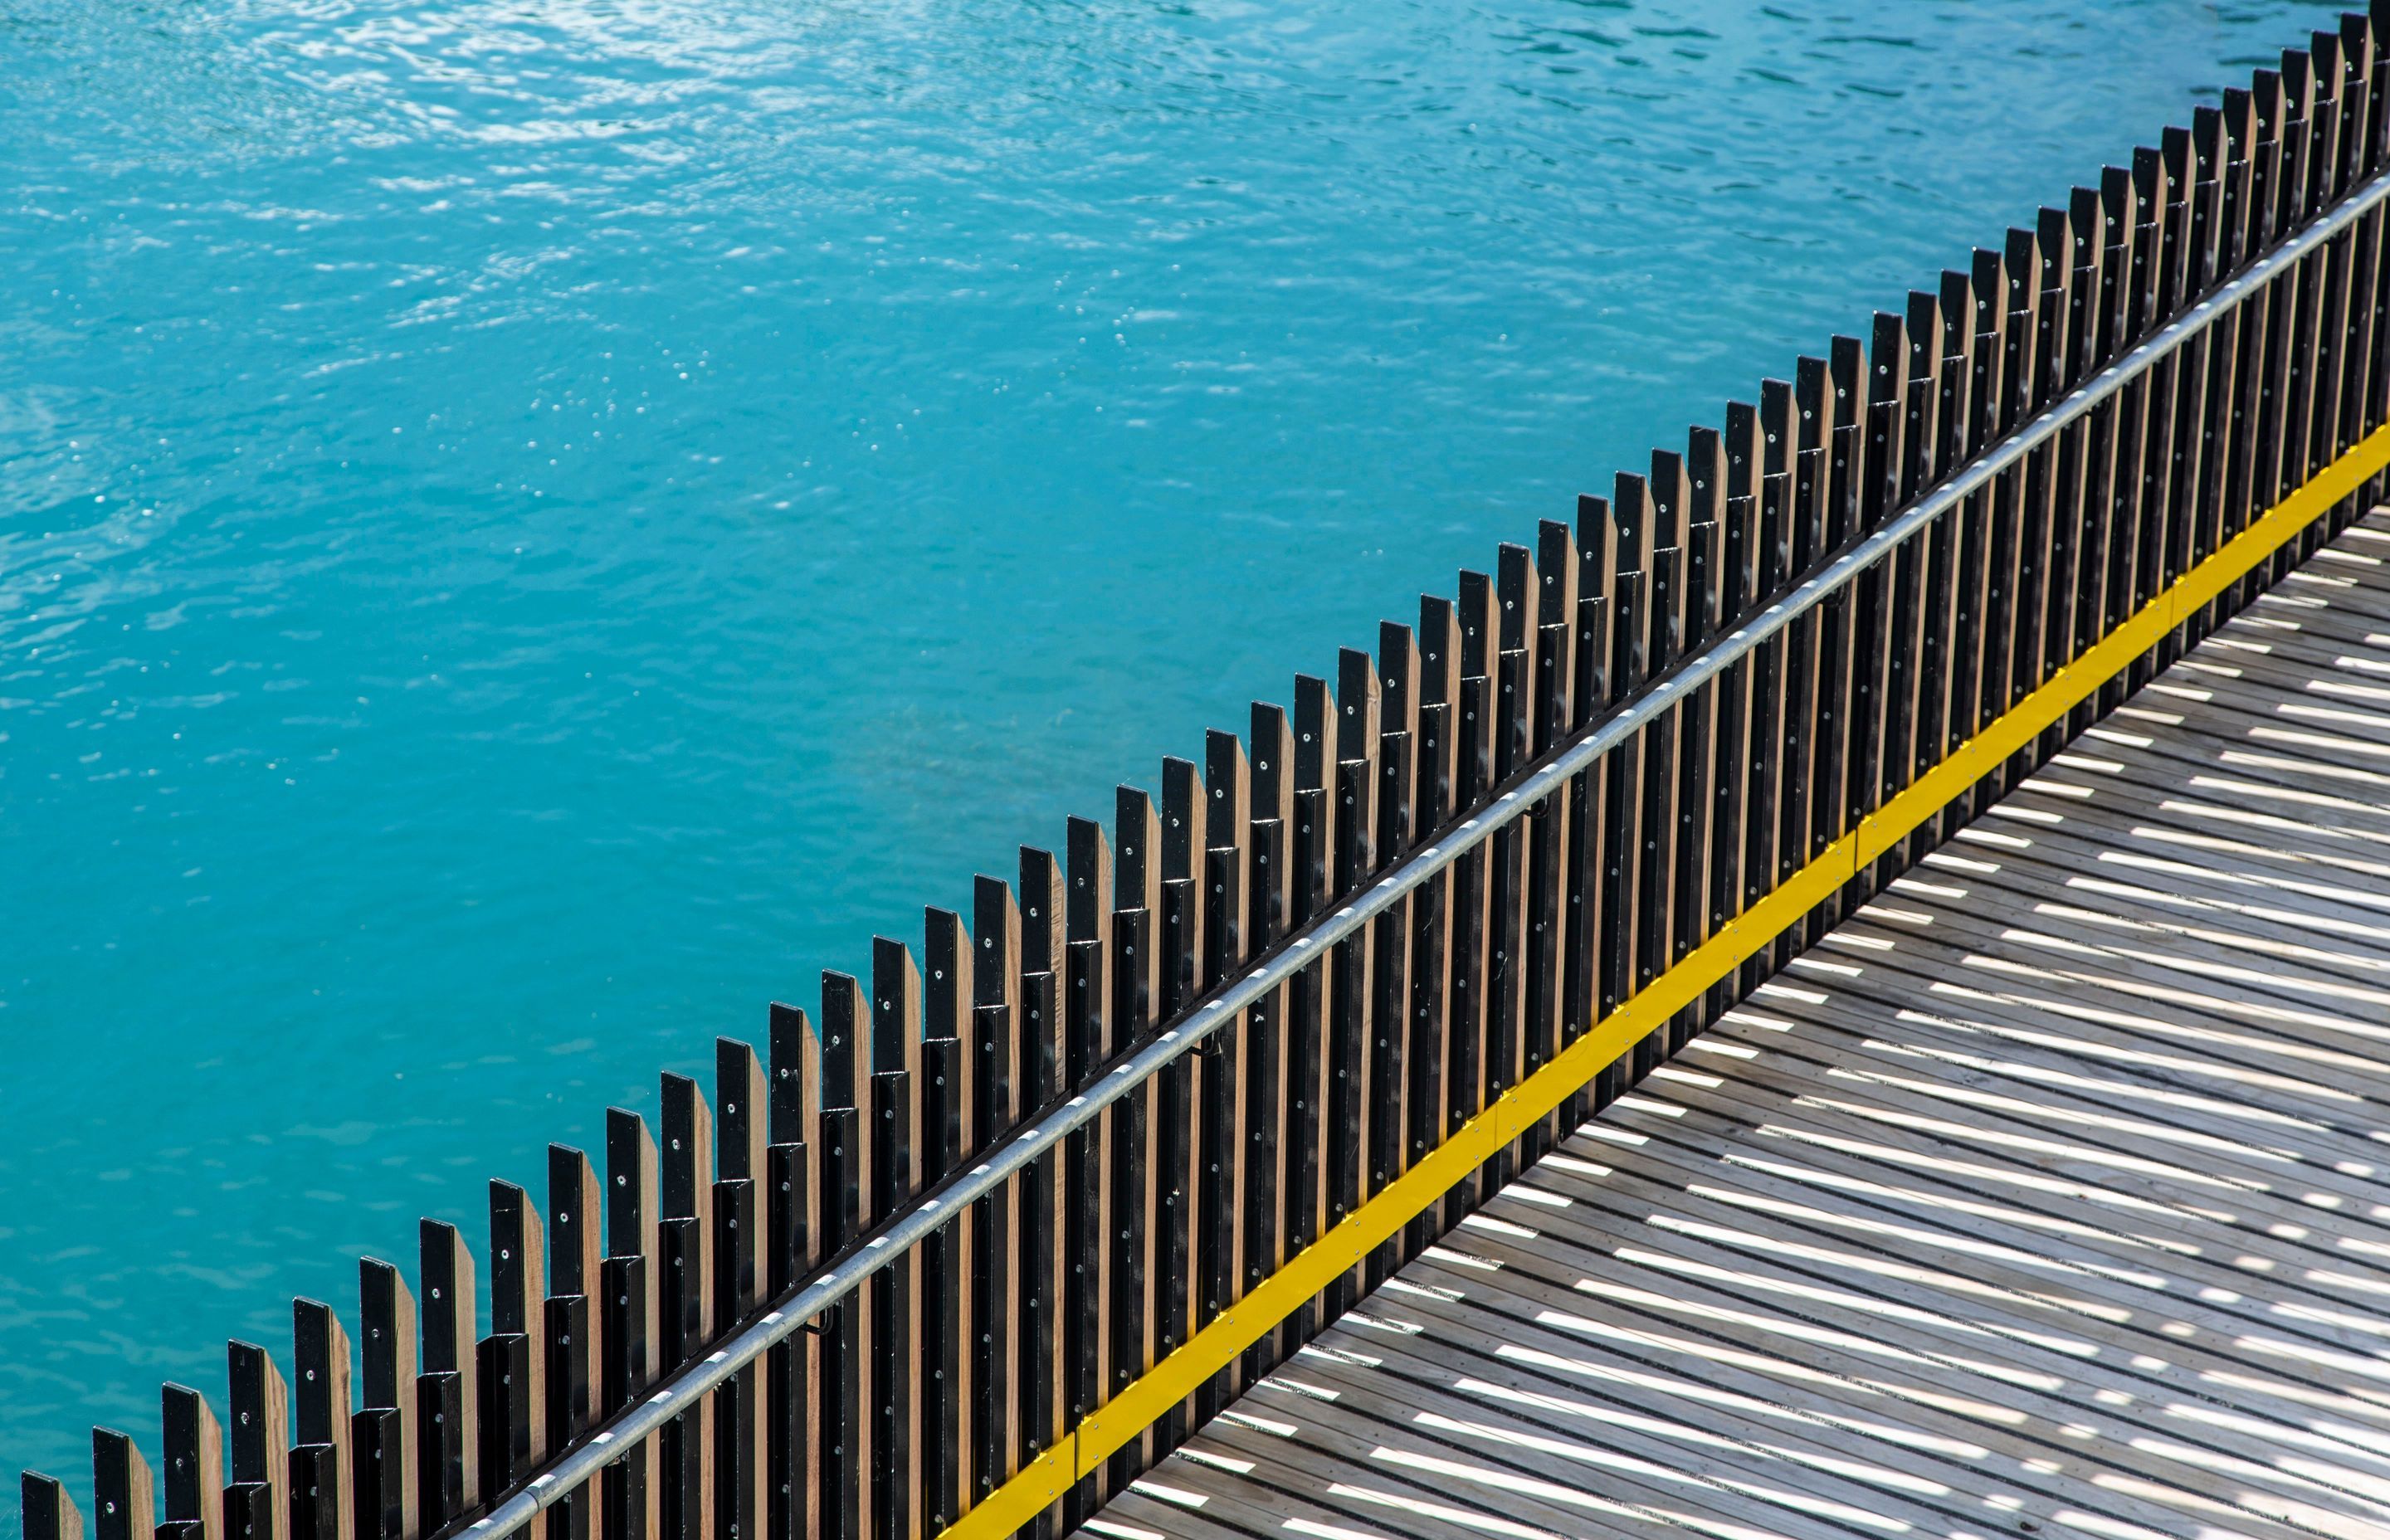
(2045, 1196)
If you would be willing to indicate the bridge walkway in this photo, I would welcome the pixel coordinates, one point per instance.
(2047, 1196)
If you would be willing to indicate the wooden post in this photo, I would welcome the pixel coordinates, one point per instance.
(895, 1353)
(517, 1270)
(631, 1333)
(794, 1232)
(121, 1494)
(48, 1512)
(448, 1390)
(194, 1461)
(389, 1475)
(321, 1351)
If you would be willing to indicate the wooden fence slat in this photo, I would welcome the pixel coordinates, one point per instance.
(945, 1111)
(2256, 156)
(1845, 440)
(1426, 1047)
(1282, 1092)
(944, 1427)
(1222, 1115)
(1179, 1240)
(48, 1512)
(2213, 197)
(1225, 1228)
(1809, 718)
(503, 1375)
(946, 958)
(1137, 884)
(686, 1229)
(1386, 1038)
(2123, 425)
(1593, 690)
(1312, 879)
(1175, 1098)
(631, 1335)
(1041, 1381)
(1228, 783)
(251, 1512)
(2009, 667)
(1043, 908)
(1347, 1132)
(741, 1446)
(2365, 264)
(893, 1344)
(321, 1410)
(628, 1497)
(1694, 798)
(1435, 657)
(1045, 1349)
(995, 996)
(793, 1241)
(1304, 1003)
(1871, 385)
(1928, 415)
(192, 1443)
(1086, 1327)
(1270, 786)
(572, 1406)
(1186, 811)
(2361, 33)
(121, 1491)
(518, 1263)
(1553, 714)
(261, 1434)
(1129, 1156)
(993, 1454)
(2252, 121)
(1622, 839)
(1656, 821)
(261, 1427)
(742, 1136)
(448, 1402)
(385, 1447)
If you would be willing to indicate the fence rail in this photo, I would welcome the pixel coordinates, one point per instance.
(983, 1240)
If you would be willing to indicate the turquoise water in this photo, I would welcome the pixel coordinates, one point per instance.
(528, 529)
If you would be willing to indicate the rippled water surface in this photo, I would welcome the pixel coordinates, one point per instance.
(529, 529)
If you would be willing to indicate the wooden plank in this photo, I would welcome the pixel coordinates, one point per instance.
(321, 1411)
(448, 1397)
(1130, 1156)
(1041, 1384)
(893, 1347)
(741, 1424)
(121, 1491)
(572, 1394)
(795, 1231)
(631, 1288)
(517, 1271)
(387, 1469)
(47, 1512)
(194, 1468)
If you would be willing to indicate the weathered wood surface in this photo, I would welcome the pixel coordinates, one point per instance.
(2044, 1195)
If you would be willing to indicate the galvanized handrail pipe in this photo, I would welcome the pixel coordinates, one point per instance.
(931, 1213)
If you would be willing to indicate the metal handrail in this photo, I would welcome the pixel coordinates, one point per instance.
(931, 1212)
